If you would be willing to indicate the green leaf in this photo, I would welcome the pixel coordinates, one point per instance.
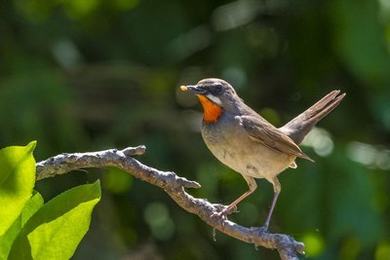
(31, 207)
(55, 231)
(6, 240)
(17, 178)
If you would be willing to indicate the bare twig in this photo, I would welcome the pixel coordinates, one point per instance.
(174, 186)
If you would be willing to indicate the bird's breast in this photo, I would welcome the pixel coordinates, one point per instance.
(231, 145)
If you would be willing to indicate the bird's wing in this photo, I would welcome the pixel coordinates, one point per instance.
(262, 131)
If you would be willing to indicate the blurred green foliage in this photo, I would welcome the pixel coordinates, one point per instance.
(82, 75)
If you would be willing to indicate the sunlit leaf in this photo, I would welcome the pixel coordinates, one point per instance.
(31, 206)
(17, 178)
(55, 231)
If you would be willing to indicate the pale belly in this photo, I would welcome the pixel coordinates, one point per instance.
(235, 149)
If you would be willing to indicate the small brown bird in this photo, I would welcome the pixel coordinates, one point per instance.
(246, 142)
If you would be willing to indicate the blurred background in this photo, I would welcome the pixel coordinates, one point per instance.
(84, 75)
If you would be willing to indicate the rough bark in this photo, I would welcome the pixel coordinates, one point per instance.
(174, 186)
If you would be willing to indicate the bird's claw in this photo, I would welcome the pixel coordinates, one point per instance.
(260, 230)
(222, 215)
(263, 229)
(233, 210)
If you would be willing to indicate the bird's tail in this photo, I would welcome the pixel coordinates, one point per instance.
(298, 128)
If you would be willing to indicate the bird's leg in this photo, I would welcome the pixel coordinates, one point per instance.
(277, 188)
(233, 206)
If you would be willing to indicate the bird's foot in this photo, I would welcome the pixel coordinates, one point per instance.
(263, 229)
(260, 230)
(222, 215)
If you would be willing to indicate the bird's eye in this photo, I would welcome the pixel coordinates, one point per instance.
(217, 89)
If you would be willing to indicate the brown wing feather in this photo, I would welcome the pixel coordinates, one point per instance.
(264, 132)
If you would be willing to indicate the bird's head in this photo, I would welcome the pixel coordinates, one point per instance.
(217, 91)
(215, 95)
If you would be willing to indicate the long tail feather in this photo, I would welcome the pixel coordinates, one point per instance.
(298, 127)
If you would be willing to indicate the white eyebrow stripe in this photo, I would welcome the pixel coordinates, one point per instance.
(215, 99)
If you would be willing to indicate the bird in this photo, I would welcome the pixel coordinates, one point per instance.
(244, 141)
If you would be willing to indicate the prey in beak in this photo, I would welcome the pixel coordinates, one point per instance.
(195, 89)
(212, 105)
(183, 88)
(202, 91)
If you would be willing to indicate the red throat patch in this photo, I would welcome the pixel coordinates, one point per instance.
(211, 111)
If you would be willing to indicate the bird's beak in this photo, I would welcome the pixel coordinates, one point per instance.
(193, 88)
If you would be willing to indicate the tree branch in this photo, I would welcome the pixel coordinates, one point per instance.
(174, 186)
